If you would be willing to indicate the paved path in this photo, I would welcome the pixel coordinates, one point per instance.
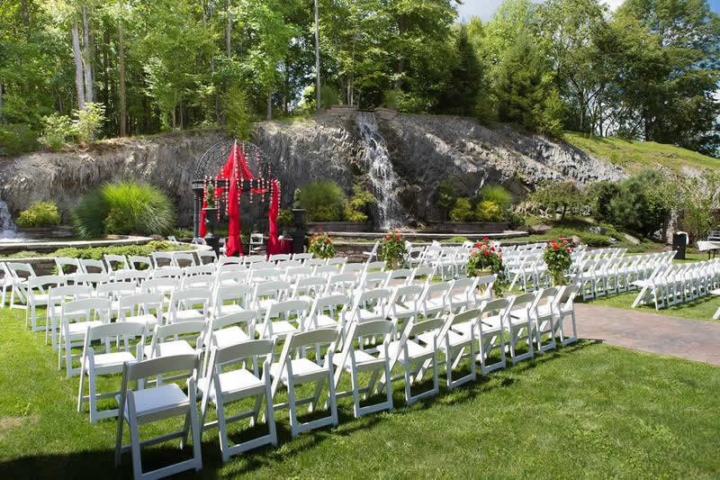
(677, 337)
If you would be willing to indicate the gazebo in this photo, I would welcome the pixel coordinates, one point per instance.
(223, 174)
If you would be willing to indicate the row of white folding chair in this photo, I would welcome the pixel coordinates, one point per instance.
(674, 284)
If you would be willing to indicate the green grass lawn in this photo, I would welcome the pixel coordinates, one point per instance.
(589, 410)
(635, 155)
(700, 309)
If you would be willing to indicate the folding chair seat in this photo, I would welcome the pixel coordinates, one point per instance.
(143, 308)
(205, 282)
(106, 362)
(370, 281)
(356, 361)
(232, 329)
(414, 356)
(278, 324)
(519, 326)
(189, 305)
(232, 299)
(37, 296)
(221, 388)
(293, 274)
(423, 276)
(378, 266)
(76, 317)
(434, 301)
(279, 257)
(325, 309)
(294, 368)
(185, 338)
(159, 403)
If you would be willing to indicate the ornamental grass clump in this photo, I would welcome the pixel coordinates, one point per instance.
(321, 246)
(392, 249)
(558, 259)
(487, 259)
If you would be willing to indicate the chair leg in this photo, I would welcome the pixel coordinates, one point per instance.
(292, 408)
(222, 431)
(135, 447)
(92, 396)
(270, 414)
(81, 391)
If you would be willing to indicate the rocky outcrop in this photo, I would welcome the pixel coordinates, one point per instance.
(423, 149)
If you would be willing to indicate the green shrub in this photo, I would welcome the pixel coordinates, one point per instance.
(594, 239)
(324, 201)
(514, 220)
(238, 113)
(487, 211)
(123, 208)
(88, 121)
(390, 99)
(563, 196)
(498, 194)
(98, 253)
(182, 232)
(40, 214)
(285, 217)
(356, 206)
(462, 212)
(56, 131)
(16, 138)
(458, 239)
(643, 202)
(328, 96)
(445, 196)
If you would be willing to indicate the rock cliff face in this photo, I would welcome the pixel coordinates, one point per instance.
(422, 151)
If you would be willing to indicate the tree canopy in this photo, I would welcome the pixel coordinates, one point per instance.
(648, 71)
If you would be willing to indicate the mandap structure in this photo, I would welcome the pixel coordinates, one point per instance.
(223, 174)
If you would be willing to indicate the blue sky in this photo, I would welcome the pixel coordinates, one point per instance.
(485, 8)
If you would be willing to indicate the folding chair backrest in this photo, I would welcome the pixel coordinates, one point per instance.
(523, 301)
(115, 290)
(110, 330)
(89, 265)
(375, 280)
(162, 259)
(193, 330)
(167, 272)
(67, 265)
(206, 257)
(294, 273)
(315, 262)
(353, 268)
(58, 295)
(184, 259)
(191, 297)
(20, 271)
(91, 278)
(402, 276)
(236, 294)
(318, 337)
(160, 285)
(326, 271)
(146, 303)
(115, 262)
(139, 262)
(44, 282)
(275, 289)
(302, 256)
(285, 264)
(431, 325)
(132, 276)
(238, 353)
(298, 307)
(279, 257)
(310, 286)
(86, 309)
(248, 318)
(255, 259)
(338, 261)
(157, 366)
(342, 283)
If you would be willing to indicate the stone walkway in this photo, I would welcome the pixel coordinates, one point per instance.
(678, 337)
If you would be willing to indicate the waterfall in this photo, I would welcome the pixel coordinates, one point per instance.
(380, 171)
(7, 226)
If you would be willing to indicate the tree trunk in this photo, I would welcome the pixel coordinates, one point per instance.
(121, 86)
(86, 57)
(317, 56)
(24, 13)
(1, 103)
(228, 32)
(269, 106)
(106, 71)
(79, 86)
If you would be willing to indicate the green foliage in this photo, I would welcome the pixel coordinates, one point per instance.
(57, 129)
(324, 201)
(392, 249)
(238, 113)
(98, 253)
(296, 198)
(599, 195)
(182, 232)
(390, 99)
(328, 96)
(558, 260)
(285, 217)
(16, 138)
(699, 198)
(486, 259)
(465, 79)
(123, 208)
(445, 196)
(563, 196)
(498, 194)
(462, 212)
(488, 211)
(40, 214)
(321, 246)
(88, 121)
(356, 207)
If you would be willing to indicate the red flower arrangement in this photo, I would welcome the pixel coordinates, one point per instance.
(485, 257)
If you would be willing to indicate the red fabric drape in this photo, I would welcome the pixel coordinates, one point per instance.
(202, 229)
(273, 245)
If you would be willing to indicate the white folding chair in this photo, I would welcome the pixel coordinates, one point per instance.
(519, 326)
(309, 288)
(302, 256)
(189, 305)
(356, 361)
(206, 257)
(159, 403)
(399, 277)
(162, 259)
(456, 344)
(88, 265)
(343, 283)
(277, 323)
(231, 299)
(106, 362)
(294, 369)
(461, 295)
(56, 297)
(371, 305)
(353, 268)
(139, 262)
(434, 301)
(563, 310)
(37, 296)
(224, 387)
(115, 263)
(325, 310)
(269, 293)
(143, 308)
(184, 259)
(67, 267)
(20, 273)
(76, 317)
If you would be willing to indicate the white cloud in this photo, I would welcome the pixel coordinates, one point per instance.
(486, 8)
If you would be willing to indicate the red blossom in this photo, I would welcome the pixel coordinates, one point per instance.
(486, 253)
(320, 229)
(568, 250)
(485, 239)
(478, 245)
(492, 249)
